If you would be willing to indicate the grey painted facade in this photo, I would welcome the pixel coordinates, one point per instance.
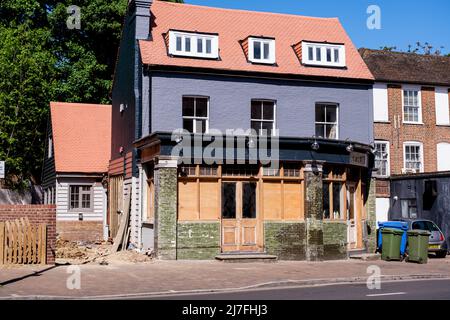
(153, 102)
(230, 99)
(128, 89)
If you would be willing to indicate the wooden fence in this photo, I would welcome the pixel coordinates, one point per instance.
(23, 243)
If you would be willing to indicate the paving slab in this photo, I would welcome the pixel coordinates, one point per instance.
(158, 277)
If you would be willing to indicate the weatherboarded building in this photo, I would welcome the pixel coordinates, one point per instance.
(75, 169)
(298, 186)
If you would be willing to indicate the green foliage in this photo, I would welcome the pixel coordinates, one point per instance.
(41, 60)
(24, 96)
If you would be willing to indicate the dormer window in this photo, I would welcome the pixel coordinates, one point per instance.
(197, 45)
(261, 50)
(323, 54)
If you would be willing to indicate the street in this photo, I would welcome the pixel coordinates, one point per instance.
(398, 290)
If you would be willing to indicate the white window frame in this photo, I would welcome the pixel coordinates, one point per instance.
(274, 121)
(419, 101)
(388, 160)
(327, 123)
(50, 147)
(173, 35)
(194, 123)
(80, 197)
(415, 144)
(272, 50)
(322, 47)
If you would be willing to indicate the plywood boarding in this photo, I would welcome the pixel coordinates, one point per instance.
(293, 201)
(272, 201)
(187, 201)
(209, 200)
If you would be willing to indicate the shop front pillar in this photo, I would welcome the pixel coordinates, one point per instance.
(314, 211)
(165, 223)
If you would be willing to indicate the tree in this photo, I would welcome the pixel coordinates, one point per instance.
(41, 60)
(24, 94)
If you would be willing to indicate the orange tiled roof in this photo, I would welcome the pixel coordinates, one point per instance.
(236, 25)
(81, 137)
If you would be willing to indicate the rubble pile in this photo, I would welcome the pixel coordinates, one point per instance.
(69, 252)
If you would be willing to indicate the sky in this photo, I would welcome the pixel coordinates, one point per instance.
(403, 22)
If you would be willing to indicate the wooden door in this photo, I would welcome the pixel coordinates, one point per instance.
(351, 215)
(240, 227)
(115, 203)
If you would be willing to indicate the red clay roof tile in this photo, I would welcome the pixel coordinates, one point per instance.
(81, 137)
(235, 25)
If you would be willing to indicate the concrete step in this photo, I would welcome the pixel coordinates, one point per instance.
(246, 257)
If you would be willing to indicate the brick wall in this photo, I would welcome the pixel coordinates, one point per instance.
(36, 214)
(198, 241)
(89, 231)
(427, 133)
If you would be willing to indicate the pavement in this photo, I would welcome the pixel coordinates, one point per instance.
(162, 278)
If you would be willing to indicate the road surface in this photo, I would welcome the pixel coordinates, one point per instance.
(403, 290)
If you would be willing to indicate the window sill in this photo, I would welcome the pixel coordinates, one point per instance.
(382, 122)
(413, 123)
(443, 125)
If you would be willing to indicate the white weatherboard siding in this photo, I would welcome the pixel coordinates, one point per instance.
(380, 102)
(442, 106)
(382, 205)
(62, 200)
(135, 215)
(443, 156)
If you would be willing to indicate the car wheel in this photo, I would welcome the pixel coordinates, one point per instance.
(441, 254)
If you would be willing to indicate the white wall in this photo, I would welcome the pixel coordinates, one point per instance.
(382, 205)
(380, 102)
(62, 200)
(442, 106)
(443, 156)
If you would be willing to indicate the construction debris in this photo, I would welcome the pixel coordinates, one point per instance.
(123, 234)
(79, 253)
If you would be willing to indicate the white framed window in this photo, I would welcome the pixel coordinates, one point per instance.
(327, 121)
(382, 158)
(413, 157)
(412, 106)
(261, 50)
(442, 106)
(50, 147)
(263, 113)
(193, 45)
(196, 114)
(323, 54)
(80, 197)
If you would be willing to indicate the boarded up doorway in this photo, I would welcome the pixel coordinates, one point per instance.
(115, 203)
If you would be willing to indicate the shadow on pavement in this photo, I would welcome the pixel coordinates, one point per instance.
(34, 274)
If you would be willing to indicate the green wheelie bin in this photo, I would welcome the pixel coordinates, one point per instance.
(418, 246)
(392, 239)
